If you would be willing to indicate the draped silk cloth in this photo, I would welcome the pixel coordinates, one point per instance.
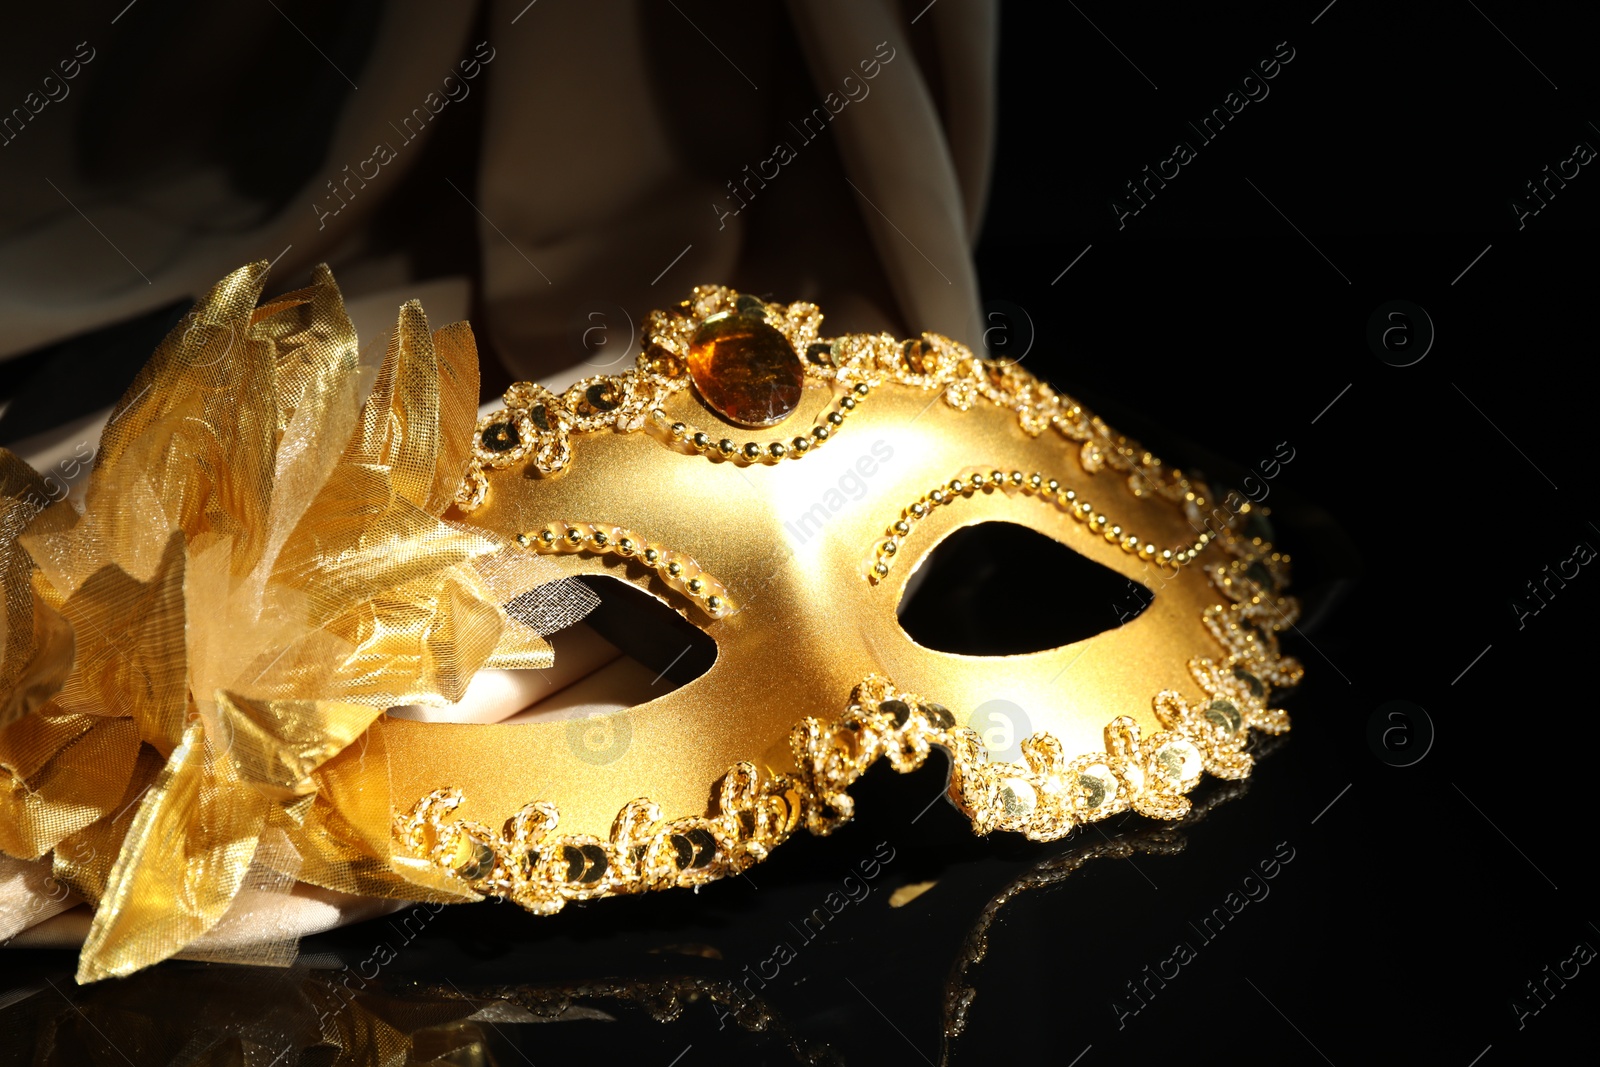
(609, 135)
(198, 661)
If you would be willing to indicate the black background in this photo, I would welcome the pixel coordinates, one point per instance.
(1230, 315)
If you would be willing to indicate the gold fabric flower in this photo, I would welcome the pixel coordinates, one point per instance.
(202, 655)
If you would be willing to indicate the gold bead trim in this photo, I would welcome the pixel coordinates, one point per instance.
(679, 570)
(1045, 490)
(528, 863)
(536, 426)
(1044, 797)
(690, 440)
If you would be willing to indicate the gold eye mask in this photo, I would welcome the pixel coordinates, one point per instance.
(779, 489)
(196, 668)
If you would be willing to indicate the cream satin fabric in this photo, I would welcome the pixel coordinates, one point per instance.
(611, 131)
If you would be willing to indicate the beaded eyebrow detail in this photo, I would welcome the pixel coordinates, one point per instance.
(538, 427)
(679, 570)
(1049, 491)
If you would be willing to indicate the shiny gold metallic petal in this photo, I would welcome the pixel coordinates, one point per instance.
(35, 643)
(191, 445)
(58, 774)
(418, 644)
(43, 649)
(360, 540)
(83, 860)
(319, 381)
(28, 745)
(521, 648)
(464, 632)
(411, 446)
(368, 445)
(131, 656)
(18, 480)
(275, 745)
(313, 343)
(180, 866)
(195, 353)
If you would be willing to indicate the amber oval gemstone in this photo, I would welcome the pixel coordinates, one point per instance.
(745, 370)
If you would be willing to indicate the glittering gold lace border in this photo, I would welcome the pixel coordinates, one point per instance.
(1044, 796)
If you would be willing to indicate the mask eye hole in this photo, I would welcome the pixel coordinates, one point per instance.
(648, 632)
(1000, 589)
(629, 650)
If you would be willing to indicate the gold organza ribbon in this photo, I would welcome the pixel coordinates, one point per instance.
(205, 651)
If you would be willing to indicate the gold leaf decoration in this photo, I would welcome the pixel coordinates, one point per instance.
(204, 651)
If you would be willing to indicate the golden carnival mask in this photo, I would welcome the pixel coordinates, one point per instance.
(775, 487)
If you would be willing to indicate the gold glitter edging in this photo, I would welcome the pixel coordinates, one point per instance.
(1043, 797)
